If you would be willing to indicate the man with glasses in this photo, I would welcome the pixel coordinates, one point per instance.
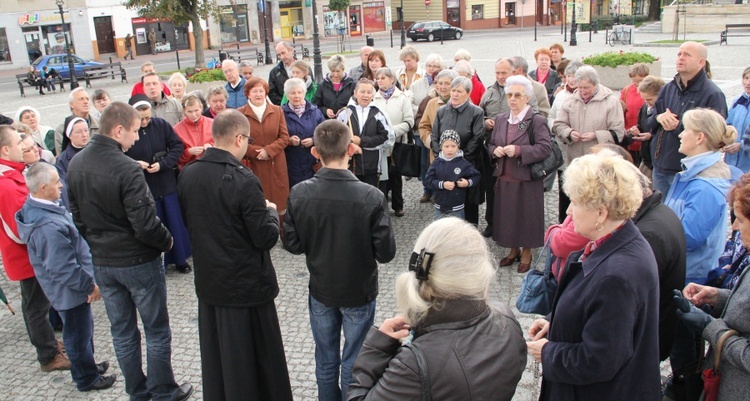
(235, 85)
(242, 354)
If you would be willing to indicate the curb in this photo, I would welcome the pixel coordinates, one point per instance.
(646, 44)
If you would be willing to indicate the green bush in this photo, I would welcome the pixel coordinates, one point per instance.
(211, 75)
(613, 59)
(606, 22)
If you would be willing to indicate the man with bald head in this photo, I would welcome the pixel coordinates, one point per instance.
(235, 85)
(691, 88)
(357, 72)
(281, 72)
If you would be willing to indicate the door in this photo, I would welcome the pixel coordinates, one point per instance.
(33, 46)
(286, 24)
(241, 26)
(510, 13)
(355, 20)
(104, 35)
(454, 17)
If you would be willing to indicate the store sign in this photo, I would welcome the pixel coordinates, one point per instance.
(373, 4)
(32, 19)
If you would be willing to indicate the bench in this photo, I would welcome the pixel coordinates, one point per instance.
(302, 49)
(22, 82)
(734, 30)
(104, 70)
(251, 53)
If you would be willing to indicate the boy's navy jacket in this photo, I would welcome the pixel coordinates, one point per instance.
(450, 170)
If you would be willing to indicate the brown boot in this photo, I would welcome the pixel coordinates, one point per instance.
(59, 362)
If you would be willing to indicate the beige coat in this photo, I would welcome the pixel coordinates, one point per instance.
(425, 125)
(602, 114)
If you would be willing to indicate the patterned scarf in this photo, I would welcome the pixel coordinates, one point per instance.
(388, 93)
(592, 245)
(298, 110)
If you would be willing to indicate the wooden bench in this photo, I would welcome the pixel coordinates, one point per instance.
(734, 30)
(302, 49)
(251, 53)
(104, 70)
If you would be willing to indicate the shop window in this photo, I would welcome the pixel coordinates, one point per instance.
(4, 50)
(477, 11)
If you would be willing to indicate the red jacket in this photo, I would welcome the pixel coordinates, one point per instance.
(138, 89)
(13, 194)
(477, 90)
(193, 134)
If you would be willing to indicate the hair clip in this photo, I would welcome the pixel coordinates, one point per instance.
(420, 264)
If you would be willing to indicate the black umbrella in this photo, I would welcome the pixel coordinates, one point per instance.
(5, 300)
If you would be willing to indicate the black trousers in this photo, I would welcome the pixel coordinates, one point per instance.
(242, 354)
(563, 202)
(372, 179)
(395, 184)
(35, 308)
(489, 192)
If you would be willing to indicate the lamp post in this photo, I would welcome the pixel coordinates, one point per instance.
(573, 27)
(71, 67)
(403, 32)
(262, 6)
(317, 62)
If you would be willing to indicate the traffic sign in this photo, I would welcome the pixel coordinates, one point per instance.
(427, 3)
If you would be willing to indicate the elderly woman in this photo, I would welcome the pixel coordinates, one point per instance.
(467, 119)
(44, 136)
(301, 119)
(217, 101)
(601, 339)
(632, 103)
(246, 69)
(421, 87)
(738, 153)
(591, 115)
(301, 70)
(411, 71)
(194, 130)
(464, 69)
(397, 106)
(463, 347)
(337, 88)
(77, 131)
(730, 312)
(178, 85)
(518, 221)
(544, 73)
(265, 155)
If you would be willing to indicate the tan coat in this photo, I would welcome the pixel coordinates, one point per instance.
(425, 125)
(271, 135)
(602, 114)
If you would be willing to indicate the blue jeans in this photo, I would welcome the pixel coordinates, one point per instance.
(458, 213)
(326, 323)
(141, 289)
(78, 335)
(662, 180)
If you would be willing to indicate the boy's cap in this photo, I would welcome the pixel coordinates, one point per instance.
(450, 135)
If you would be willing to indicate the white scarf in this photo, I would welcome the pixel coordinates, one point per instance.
(258, 110)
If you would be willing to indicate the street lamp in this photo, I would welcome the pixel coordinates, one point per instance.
(317, 62)
(71, 68)
(573, 26)
(262, 6)
(403, 32)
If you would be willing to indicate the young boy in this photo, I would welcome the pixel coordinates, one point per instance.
(449, 176)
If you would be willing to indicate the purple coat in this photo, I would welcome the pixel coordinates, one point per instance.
(519, 168)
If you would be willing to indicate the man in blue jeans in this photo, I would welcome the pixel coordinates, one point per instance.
(342, 225)
(114, 211)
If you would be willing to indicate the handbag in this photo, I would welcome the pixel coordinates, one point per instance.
(407, 158)
(712, 377)
(539, 286)
(548, 166)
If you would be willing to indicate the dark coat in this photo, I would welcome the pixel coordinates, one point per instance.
(472, 351)
(700, 92)
(112, 206)
(643, 116)
(299, 160)
(276, 79)
(661, 227)
(518, 167)
(232, 238)
(158, 142)
(450, 170)
(373, 134)
(327, 98)
(343, 227)
(553, 79)
(603, 342)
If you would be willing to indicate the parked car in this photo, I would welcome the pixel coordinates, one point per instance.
(432, 30)
(60, 63)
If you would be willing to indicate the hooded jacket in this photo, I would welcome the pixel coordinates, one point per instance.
(698, 196)
(13, 193)
(60, 256)
(376, 136)
(739, 118)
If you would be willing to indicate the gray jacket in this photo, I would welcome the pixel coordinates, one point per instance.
(733, 312)
(168, 109)
(473, 351)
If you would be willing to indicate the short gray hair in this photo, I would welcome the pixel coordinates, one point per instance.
(434, 58)
(38, 174)
(217, 90)
(447, 73)
(462, 54)
(336, 62)
(386, 72)
(520, 62)
(463, 67)
(587, 73)
(572, 68)
(246, 63)
(285, 44)
(462, 82)
(228, 63)
(519, 80)
(292, 83)
(72, 94)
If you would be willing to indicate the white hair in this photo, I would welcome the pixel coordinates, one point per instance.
(292, 83)
(520, 80)
(463, 67)
(38, 174)
(72, 94)
(587, 73)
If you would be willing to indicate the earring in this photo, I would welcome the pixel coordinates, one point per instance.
(599, 226)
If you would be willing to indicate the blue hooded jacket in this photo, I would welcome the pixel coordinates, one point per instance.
(60, 256)
(698, 196)
(739, 118)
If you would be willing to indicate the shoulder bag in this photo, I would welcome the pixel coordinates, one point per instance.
(539, 286)
(548, 166)
(712, 377)
(407, 158)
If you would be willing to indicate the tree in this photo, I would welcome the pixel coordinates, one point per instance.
(180, 12)
(654, 10)
(341, 6)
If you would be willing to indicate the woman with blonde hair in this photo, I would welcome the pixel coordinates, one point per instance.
(301, 70)
(336, 89)
(178, 85)
(411, 71)
(601, 339)
(463, 346)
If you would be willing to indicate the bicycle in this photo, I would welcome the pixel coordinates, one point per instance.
(619, 34)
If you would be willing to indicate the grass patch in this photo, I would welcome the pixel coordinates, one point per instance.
(677, 42)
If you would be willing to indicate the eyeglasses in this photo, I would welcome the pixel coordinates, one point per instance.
(511, 95)
(248, 137)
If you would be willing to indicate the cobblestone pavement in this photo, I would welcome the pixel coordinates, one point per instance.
(21, 379)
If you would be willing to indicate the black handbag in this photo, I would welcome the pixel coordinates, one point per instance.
(407, 158)
(548, 166)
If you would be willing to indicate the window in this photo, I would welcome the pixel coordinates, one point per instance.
(4, 50)
(477, 11)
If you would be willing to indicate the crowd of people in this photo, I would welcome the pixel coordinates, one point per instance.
(651, 182)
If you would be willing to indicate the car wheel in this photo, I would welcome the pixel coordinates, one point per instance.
(430, 37)
(457, 35)
(413, 39)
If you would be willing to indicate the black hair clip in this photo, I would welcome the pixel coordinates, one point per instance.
(420, 264)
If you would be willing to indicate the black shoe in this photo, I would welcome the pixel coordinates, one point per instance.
(184, 269)
(102, 367)
(104, 382)
(487, 232)
(184, 392)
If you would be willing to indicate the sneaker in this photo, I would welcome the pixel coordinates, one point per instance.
(102, 383)
(59, 362)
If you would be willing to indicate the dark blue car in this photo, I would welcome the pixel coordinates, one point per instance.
(60, 63)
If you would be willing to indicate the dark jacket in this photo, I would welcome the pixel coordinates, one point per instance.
(299, 160)
(473, 351)
(518, 167)
(276, 79)
(450, 170)
(232, 238)
(327, 98)
(62, 170)
(603, 342)
(373, 136)
(343, 227)
(112, 206)
(662, 229)
(237, 96)
(643, 116)
(5, 120)
(699, 92)
(553, 79)
(158, 143)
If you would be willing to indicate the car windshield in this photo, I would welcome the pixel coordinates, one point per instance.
(37, 61)
(417, 25)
